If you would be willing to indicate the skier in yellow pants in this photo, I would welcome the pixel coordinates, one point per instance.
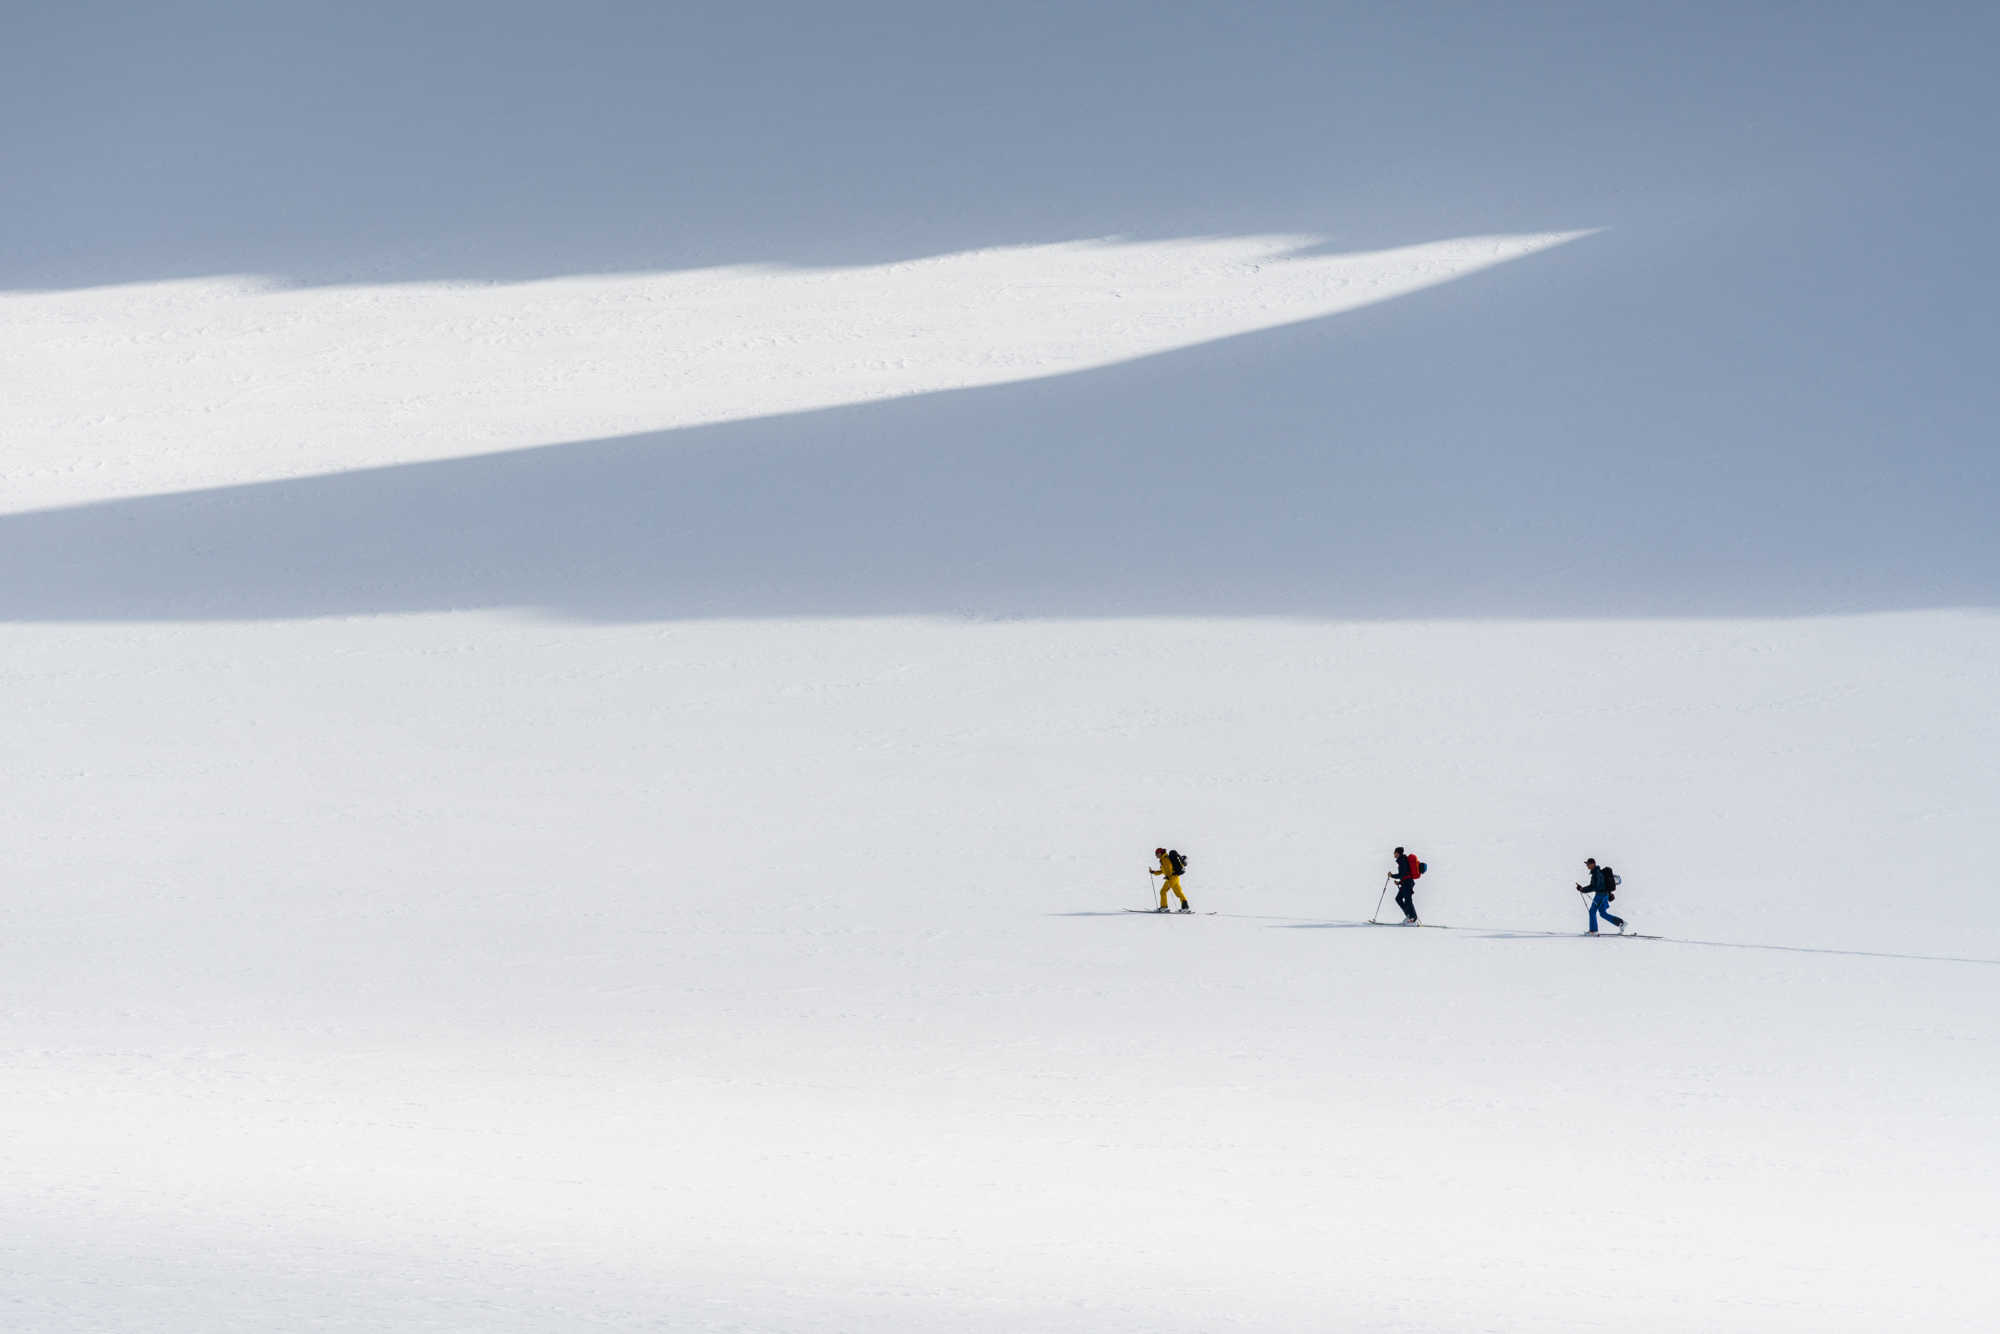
(1172, 866)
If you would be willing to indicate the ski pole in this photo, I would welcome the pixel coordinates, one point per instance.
(1380, 898)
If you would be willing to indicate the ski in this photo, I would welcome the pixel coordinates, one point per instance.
(1155, 912)
(1510, 931)
(1580, 935)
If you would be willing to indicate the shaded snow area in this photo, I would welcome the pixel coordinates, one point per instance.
(601, 607)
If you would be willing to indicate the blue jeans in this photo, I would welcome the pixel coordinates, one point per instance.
(1601, 904)
(1406, 891)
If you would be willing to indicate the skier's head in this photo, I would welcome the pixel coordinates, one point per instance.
(1399, 852)
(1591, 862)
(1159, 852)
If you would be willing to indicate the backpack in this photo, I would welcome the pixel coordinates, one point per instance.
(1178, 862)
(1412, 868)
(1611, 882)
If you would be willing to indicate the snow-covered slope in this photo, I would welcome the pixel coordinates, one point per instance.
(463, 972)
(603, 605)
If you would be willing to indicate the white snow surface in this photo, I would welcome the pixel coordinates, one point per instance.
(320, 378)
(603, 606)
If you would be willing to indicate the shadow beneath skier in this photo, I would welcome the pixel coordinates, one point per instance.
(1503, 933)
(1493, 933)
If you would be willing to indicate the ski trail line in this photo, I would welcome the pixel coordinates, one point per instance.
(1667, 940)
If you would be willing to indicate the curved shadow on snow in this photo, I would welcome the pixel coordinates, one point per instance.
(1766, 390)
(371, 142)
(1503, 446)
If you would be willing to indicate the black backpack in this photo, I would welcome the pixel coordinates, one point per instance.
(1178, 862)
(1611, 883)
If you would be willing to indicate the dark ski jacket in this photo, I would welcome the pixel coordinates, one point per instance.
(1406, 870)
(1600, 881)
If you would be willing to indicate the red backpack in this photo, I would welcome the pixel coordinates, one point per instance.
(1412, 868)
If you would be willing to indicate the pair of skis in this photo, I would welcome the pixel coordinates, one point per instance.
(1155, 912)
(1630, 935)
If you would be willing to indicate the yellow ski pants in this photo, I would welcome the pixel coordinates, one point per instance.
(1172, 882)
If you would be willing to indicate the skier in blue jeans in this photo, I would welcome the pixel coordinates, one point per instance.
(1602, 884)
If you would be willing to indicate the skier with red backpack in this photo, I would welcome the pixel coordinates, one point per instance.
(1408, 868)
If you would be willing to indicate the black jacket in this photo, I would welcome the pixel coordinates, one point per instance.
(1601, 881)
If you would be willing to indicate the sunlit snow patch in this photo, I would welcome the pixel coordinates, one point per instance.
(169, 386)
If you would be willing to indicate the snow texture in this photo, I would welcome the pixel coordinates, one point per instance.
(603, 605)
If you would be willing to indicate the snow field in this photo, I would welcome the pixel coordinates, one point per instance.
(460, 971)
(600, 607)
